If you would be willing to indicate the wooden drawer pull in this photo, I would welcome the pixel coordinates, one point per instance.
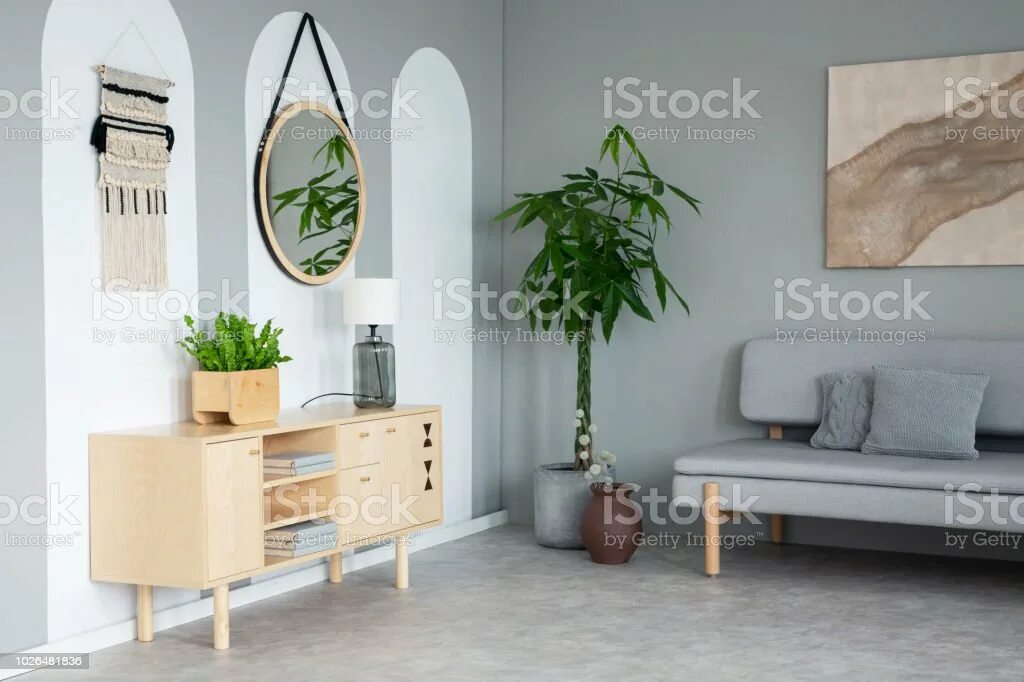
(254, 452)
(364, 434)
(391, 429)
(364, 479)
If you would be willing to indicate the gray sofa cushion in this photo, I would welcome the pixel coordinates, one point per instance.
(925, 413)
(798, 461)
(846, 411)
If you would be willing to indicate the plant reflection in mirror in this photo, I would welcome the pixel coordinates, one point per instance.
(329, 211)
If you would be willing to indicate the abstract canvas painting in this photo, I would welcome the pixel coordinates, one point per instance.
(926, 162)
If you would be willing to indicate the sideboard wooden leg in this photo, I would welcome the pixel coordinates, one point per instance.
(711, 528)
(401, 563)
(144, 613)
(776, 522)
(221, 624)
(336, 567)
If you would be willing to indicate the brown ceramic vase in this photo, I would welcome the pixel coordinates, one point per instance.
(612, 523)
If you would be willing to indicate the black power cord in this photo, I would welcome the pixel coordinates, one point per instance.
(380, 377)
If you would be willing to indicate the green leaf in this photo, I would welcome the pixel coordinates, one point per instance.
(512, 210)
(325, 145)
(557, 262)
(694, 203)
(305, 218)
(636, 151)
(609, 312)
(579, 186)
(634, 301)
(287, 198)
(320, 178)
(340, 146)
(678, 297)
(659, 286)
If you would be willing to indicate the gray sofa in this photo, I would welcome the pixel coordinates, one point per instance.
(780, 388)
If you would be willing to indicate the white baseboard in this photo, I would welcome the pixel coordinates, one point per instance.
(119, 633)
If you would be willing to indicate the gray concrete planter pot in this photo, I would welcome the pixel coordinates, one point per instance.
(560, 494)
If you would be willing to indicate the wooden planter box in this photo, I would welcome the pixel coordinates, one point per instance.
(238, 397)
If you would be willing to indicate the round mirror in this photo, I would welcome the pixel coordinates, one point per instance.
(310, 193)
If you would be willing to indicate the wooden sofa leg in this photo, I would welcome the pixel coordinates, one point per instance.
(712, 524)
(776, 523)
(775, 433)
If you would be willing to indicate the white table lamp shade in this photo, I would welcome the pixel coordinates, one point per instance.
(368, 301)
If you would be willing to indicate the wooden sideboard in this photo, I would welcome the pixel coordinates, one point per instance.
(187, 505)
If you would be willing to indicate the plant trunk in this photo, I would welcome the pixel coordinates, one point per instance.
(583, 346)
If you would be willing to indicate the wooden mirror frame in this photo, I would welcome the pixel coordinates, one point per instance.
(263, 213)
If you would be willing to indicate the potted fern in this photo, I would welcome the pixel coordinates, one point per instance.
(598, 255)
(237, 378)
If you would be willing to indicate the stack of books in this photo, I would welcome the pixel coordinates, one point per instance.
(297, 463)
(301, 539)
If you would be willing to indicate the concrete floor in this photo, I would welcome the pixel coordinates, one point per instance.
(495, 605)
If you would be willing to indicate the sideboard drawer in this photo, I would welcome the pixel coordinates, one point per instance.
(359, 444)
(369, 442)
(361, 513)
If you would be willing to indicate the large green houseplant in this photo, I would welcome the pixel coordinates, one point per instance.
(598, 258)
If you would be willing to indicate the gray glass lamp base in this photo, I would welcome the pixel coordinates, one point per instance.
(373, 366)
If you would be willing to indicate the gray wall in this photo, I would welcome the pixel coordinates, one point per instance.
(23, 462)
(661, 388)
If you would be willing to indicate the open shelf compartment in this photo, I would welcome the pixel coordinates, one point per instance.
(287, 503)
(314, 440)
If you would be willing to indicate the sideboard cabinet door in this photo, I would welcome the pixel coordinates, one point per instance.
(234, 503)
(413, 467)
(425, 453)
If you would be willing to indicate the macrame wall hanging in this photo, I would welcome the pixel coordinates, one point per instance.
(135, 143)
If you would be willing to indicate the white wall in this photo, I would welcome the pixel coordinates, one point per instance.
(432, 237)
(93, 386)
(311, 316)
